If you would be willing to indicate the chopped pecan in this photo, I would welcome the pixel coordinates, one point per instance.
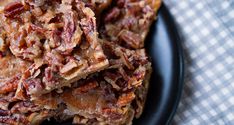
(76, 38)
(113, 113)
(33, 86)
(24, 107)
(4, 104)
(47, 17)
(4, 112)
(69, 66)
(124, 74)
(140, 72)
(112, 15)
(132, 39)
(130, 23)
(68, 44)
(85, 88)
(9, 85)
(140, 58)
(126, 99)
(126, 61)
(26, 46)
(13, 9)
(89, 28)
(14, 120)
(50, 78)
(54, 58)
(20, 92)
(112, 78)
(55, 39)
(37, 29)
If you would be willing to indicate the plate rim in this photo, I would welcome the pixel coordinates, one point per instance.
(181, 62)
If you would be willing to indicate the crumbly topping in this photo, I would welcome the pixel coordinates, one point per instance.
(54, 32)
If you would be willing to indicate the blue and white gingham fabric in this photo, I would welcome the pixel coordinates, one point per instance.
(207, 27)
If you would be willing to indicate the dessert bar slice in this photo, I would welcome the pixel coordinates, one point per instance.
(58, 38)
(128, 22)
(113, 96)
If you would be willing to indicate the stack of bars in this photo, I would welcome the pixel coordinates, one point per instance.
(74, 59)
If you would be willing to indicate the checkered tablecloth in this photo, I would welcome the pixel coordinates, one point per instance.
(207, 28)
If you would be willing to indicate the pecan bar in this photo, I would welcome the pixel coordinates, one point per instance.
(128, 22)
(113, 96)
(59, 38)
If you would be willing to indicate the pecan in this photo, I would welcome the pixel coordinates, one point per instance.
(50, 78)
(140, 72)
(140, 58)
(130, 23)
(89, 28)
(54, 58)
(4, 104)
(85, 88)
(13, 9)
(112, 78)
(37, 29)
(55, 39)
(112, 113)
(19, 39)
(14, 120)
(26, 46)
(126, 99)
(69, 66)
(20, 92)
(24, 107)
(124, 74)
(132, 39)
(47, 17)
(126, 61)
(69, 29)
(33, 86)
(112, 15)
(124, 57)
(4, 112)
(10, 85)
(49, 74)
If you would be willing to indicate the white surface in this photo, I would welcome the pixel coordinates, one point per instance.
(207, 27)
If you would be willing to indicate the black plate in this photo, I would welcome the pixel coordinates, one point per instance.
(163, 45)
